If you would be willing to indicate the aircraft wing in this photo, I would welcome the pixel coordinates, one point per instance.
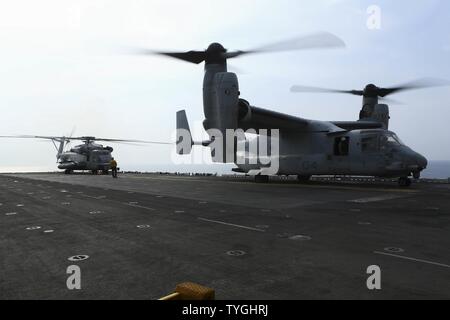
(259, 118)
(357, 125)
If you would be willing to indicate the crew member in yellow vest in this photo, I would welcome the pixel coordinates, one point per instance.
(113, 165)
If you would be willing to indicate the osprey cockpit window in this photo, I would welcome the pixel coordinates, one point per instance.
(390, 140)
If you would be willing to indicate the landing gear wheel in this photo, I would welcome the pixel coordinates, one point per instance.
(404, 182)
(68, 171)
(94, 172)
(261, 179)
(416, 175)
(303, 179)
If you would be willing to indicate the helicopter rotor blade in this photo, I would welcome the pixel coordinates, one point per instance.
(35, 137)
(413, 85)
(297, 89)
(374, 91)
(131, 141)
(86, 139)
(391, 101)
(192, 56)
(319, 40)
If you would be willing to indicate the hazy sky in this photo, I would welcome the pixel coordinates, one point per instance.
(59, 68)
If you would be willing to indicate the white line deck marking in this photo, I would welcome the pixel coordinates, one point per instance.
(92, 197)
(413, 259)
(232, 225)
(138, 206)
(376, 199)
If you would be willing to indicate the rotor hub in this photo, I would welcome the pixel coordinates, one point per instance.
(371, 91)
(215, 54)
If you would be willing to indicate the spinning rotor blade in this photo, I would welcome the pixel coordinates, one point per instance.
(129, 141)
(216, 52)
(324, 90)
(190, 56)
(37, 137)
(320, 40)
(374, 91)
(412, 85)
(87, 139)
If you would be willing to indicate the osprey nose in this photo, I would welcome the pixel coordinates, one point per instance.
(421, 161)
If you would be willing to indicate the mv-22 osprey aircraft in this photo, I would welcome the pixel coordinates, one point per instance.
(306, 147)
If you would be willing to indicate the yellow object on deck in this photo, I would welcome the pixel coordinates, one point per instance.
(190, 291)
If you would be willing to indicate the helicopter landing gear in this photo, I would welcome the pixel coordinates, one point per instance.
(303, 179)
(416, 175)
(404, 182)
(94, 172)
(261, 179)
(105, 172)
(68, 171)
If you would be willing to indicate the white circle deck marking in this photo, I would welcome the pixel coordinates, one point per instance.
(143, 226)
(79, 257)
(95, 212)
(49, 231)
(394, 249)
(179, 211)
(300, 237)
(236, 253)
(10, 213)
(65, 203)
(63, 191)
(20, 205)
(33, 228)
(159, 196)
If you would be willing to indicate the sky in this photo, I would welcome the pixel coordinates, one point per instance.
(63, 66)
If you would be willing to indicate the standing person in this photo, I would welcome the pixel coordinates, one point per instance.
(113, 165)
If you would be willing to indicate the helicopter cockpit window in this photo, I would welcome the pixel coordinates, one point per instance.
(341, 146)
(390, 140)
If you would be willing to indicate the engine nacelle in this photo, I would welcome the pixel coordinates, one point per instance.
(222, 113)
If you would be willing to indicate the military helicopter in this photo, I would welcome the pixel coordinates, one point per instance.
(86, 156)
(306, 147)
